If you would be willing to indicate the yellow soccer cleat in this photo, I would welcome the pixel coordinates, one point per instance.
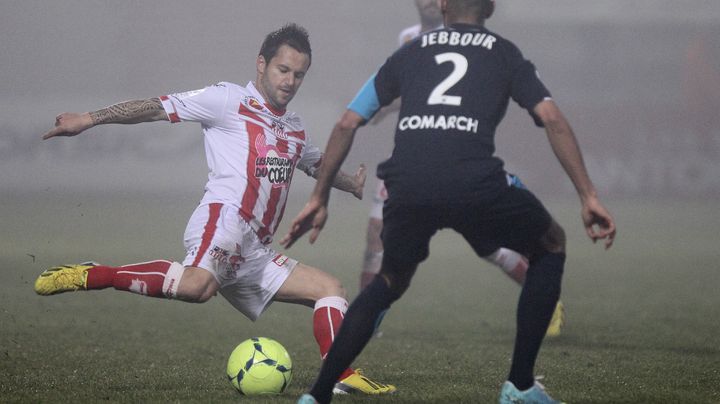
(359, 383)
(66, 278)
(557, 321)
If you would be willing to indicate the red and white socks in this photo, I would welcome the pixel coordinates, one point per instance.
(512, 263)
(155, 278)
(327, 318)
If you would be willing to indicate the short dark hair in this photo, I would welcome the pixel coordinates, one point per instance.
(290, 34)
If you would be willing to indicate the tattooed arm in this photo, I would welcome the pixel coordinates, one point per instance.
(353, 184)
(127, 112)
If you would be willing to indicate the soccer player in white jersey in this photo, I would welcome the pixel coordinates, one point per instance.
(512, 263)
(253, 147)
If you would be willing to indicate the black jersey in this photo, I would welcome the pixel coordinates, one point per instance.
(455, 84)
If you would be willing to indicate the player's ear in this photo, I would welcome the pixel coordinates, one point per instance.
(260, 64)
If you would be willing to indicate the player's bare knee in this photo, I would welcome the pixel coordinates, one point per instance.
(398, 281)
(398, 286)
(195, 294)
(554, 239)
(331, 286)
(306, 285)
(206, 294)
(197, 286)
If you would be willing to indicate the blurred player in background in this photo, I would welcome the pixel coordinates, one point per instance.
(430, 18)
(455, 85)
(702, 92)
(512, 263)
(253, 146)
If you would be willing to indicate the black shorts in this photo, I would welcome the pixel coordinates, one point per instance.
(515, 219)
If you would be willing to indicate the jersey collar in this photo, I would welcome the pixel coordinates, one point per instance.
(464, 26)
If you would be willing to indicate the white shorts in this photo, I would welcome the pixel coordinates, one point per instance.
(218, 240)
(378, 201)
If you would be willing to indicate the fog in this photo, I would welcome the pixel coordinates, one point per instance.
(639, 81)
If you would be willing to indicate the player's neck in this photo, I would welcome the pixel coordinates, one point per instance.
(275, 109)
(428, 25)
(449, 20)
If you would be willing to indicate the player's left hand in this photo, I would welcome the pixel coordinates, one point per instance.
(311, 217)
(359, 178)
(599, 223)
(69, 124)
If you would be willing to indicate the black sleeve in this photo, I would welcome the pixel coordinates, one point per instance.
(526, 87)
(387, 84)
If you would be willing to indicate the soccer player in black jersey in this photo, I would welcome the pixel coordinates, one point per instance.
(455, 84)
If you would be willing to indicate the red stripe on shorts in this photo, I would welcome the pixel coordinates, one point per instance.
(209, 232)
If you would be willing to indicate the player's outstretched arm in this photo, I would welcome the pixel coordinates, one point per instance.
(599, 223)
(127, 112)
(354, 184)
(314, 214)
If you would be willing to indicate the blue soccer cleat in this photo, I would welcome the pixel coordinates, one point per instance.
(307, 399)
(534, 395)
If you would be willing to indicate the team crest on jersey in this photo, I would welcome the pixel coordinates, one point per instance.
(278, 129)
(252, 102)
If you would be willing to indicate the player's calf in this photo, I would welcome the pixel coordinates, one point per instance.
(160, 278)
(307, 285)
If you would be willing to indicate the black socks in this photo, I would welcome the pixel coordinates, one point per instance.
(538, 298)
(356, 330)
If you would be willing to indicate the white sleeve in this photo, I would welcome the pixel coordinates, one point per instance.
(206, 105)
(310, 160)
(408, 34)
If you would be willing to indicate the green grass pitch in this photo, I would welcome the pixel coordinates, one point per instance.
(643, 319)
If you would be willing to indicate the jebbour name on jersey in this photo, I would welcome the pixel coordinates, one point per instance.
(452, 122)
(455, 38)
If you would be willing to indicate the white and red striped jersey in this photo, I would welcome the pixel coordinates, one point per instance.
(252, 150)
(410, 33)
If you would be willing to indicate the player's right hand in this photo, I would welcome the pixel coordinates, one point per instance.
(599, 223)
(312, 217)
(69, 124)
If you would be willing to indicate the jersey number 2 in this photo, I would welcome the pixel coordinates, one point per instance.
(460, 65)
